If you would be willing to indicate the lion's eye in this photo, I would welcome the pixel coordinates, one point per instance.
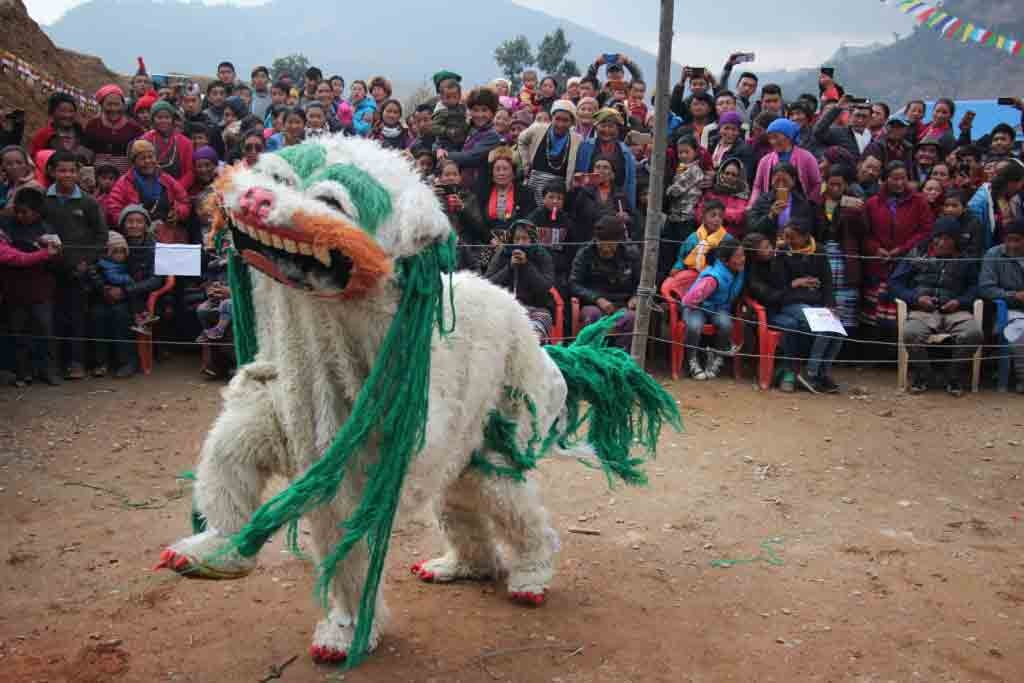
(334, 196)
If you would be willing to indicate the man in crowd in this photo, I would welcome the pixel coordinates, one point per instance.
(1002, 277)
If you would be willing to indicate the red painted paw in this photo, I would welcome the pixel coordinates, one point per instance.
(172, 560)
(327, 655)
(527, 598)
(423, 574)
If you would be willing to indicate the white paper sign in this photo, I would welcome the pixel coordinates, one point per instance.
(824, 320)
(178, 259)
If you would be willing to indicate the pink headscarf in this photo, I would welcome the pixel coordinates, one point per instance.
(108, 90)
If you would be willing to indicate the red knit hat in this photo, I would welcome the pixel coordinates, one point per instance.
(145, 102)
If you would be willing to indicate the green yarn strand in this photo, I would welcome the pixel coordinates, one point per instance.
(243, 314)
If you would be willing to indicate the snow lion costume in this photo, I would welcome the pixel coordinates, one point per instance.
(372, 378)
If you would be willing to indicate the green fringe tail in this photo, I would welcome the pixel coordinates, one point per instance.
(393, 406)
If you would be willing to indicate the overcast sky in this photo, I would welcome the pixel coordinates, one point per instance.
(785, 33)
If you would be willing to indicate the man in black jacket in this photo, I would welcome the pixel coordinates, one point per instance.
(854, 138)
(939, 289)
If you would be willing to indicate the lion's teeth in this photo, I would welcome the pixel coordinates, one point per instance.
(264, 237)
(277, 242)
(291, 247)
(305, 249)
(243, 227)
(322, 254)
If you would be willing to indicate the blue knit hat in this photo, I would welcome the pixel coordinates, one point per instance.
(785, 127)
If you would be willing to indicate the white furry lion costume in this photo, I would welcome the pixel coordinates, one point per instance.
(379, 381)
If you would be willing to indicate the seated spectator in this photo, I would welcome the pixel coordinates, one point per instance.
(729, 188)
(697, 251)
(804, 277)
(897, 220)
(1002, 277)
(165, 201)
(997, 204)
(712, 298)
(28, 286)
(449, 124)
(760, 278)
(939, 291)
(549, 151)
(784, 202)
(605, 275)
(554, 227)
(972, 234)
(608, 145)
(463, 211)
(109, 134)
(173, 150)
(525, 268)
(782, 135)
(123, 307)
(841, 228)
(600, 198)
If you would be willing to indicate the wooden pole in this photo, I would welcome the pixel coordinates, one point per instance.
(655, 217)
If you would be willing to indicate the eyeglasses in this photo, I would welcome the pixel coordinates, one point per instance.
(253, 148)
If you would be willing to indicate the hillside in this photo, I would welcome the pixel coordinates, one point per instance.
(22, 36)
(404, 39)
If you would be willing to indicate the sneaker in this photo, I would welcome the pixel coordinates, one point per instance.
(139, 328)
(75, 371)
(788, 383)
(827, 385)
(99, 371)
(715, 364)
(202, 338)
(696, 371)
(125, 371)
(807, 383)
(954, 388)
(919, 384)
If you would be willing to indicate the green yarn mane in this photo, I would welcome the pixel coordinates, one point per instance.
(392, 405)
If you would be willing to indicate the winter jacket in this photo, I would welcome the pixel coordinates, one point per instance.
(530, 282)
(42, 137)
(26, 274)
(847, 227)
(806, 168)
(762, 284)
(183, 152)
(972, 237)
(740, 150)
(588, 208)
(530, 141)
(884, 152)
(114, 274)
(110, 143)
(684, 193)
(827, 134)
(730, 286)
(759, 217)
(615, 279)
(80, 222)
(140, 268)
(362, 126)
(788, 266)
(472, 158)
(982, 207)
(942, 279)
(585, 164)
(449, 127)
(554, 230)
(124, 193)
(899, 228)
(1001, 276)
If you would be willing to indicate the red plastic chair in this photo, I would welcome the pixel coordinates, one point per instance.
(767, 341)
(144, 342)
(558, 331)
(577, 317)
(677, 327)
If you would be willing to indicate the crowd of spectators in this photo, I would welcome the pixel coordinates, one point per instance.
(792, 201)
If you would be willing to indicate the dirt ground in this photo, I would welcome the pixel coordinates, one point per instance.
(877, 536)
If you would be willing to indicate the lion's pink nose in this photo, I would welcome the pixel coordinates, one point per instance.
(257, 203)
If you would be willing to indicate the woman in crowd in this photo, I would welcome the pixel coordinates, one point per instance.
(600, 198)
(941, 126)
(18, 172)
(173, 150)
(608, 145)
(841, 228)
(482, 105)
(363, 108)
(526, 269)
(730, 188)
(62, 110)
(997, 204)
(502, 202)
(941, 172)
(164, 200)
(548, 94)
(727, 143)
(549, 151)
(934, 195)
(110, 133)
(294, 130)
(389, 131)
(782, 204)
(897, 219)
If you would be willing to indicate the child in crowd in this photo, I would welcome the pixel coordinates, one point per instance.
(697, 251)
(316, 121)
(528, 92)
(553, 226)
(106, 176)
(683, 195)
(712, 298)
(87, 179)
(449, 123)
(463, 211)
(28, 286)
(113, 272)
(972, 237)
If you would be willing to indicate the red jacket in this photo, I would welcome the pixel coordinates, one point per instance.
(184, 152)
(899, 229)
(25, 277)
(735, 212)
(124, 193)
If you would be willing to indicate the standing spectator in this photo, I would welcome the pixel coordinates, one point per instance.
(338, 86)
(683, 194)
(78, 220)
(893, 144)
(712, 298)
(311, 80)
(782, 135)
(294, 130)
(164, 200)
(608, 145)
(550, 151)
(880, 115)
(897, 220)
(261, 97)
(971, 239)
(380, 90)
(173, 150)
(940, 127)
(216, 104)
(482, 104)
(997, 204)
(841, 228)
(585, 110)
(110, 133)
(939, 289)
(726, 142)
(605, 275)
(18, 171)
(389, 131)
(62, 110)
(548, 93)
(502, 202)
(745, 87)
(449, 126)
(525, 268)
(1002, 277)
(869, 173)
(227, 77)
(854, 138)
(28, 286)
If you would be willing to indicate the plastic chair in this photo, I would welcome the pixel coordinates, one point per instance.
(144, 342)
(1002, 320)
(577, 317)
(768, 341)
(558, 331)
(673, 294)
(903, 366)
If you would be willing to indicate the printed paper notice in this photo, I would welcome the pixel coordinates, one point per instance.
(824, 320)
(178, 259)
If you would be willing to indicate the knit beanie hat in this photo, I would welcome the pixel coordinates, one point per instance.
(206, 152)
(115, 240)
(138, 147)
(785, 127)
(444, 75)
(237, 106)
(591, 100)
(129, 210)
(946, 225)
(730, 118)
(108, 90)
(608, 114)
(165, 106)
(145, 102)
(564, 105)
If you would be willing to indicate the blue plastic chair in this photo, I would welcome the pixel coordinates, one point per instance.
(1002, 318)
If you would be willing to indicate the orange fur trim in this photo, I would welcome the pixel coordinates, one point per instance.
(370, 263)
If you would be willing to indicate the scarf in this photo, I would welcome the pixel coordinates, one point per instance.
(739, 190)
(556, 144)
(390, 132)
(584, 131)
(697, 259)
(509, 208)
(149, 188)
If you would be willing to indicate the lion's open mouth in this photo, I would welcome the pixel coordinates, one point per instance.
(292, 259)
